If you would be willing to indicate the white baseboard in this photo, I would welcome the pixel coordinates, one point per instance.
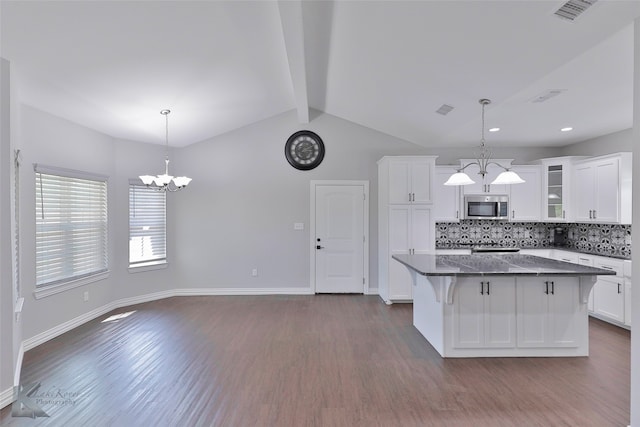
(371, 291)
(242, 291)
(18, 367)
(45, 336)
(6, 397)
(49, 334)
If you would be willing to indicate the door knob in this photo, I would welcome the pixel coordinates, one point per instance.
(319, 247)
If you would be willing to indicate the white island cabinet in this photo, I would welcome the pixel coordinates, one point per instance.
(546, 312)
(484, 313)
(501, 305)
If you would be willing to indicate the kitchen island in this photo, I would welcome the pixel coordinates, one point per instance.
(501, 305)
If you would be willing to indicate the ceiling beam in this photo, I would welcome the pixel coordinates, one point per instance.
(293, 31)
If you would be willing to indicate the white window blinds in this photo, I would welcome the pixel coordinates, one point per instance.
(71, 225)
(147, 225)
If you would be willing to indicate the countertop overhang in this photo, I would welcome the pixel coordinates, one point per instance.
(491, 264)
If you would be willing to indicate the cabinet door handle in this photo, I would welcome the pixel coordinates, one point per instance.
(619, 291)
(488, 287)
(410, 200)
(457, 214)
(590, 214)
(481, 288)
(594, 214)
(546, 290)
(563, 214)
(553, 288)
(513, 214)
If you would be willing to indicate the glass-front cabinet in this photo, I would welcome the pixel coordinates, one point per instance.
(556, 186)
(555, 200)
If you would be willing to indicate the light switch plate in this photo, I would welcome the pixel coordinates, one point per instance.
(298, 225)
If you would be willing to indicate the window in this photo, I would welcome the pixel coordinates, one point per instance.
(147, 226)
(71, 226)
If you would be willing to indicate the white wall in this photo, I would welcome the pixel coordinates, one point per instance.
(7, 358)
(238, 212)
(606, 144)
(53, 141)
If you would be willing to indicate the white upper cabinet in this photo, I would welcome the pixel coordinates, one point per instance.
(525, 198)
(602, 189)
(556, 189)
(446, 198)
(409, 180)
(484, 186)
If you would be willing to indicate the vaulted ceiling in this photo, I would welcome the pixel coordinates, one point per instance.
(388, 65)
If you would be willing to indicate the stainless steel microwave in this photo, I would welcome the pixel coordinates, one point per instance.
(486, 206)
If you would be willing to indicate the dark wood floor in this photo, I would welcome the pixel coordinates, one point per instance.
(324, 360)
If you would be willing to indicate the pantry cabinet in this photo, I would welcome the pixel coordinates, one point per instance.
(409, 233)
(409, 180)
(405, 220)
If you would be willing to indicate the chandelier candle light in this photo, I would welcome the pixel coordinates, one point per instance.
(163, 182)
(484, 160)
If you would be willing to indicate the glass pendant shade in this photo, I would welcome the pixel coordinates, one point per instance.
(147, 179)
(181, 181)
(459, 178)
(508, 177)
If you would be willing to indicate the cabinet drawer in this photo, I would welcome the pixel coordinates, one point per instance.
(613, 265)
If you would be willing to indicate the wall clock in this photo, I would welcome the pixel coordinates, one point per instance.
(304, 150)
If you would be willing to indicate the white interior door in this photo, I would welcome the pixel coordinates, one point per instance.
(339, 238)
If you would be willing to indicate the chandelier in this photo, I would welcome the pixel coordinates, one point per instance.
(506, 177)
(165, 182)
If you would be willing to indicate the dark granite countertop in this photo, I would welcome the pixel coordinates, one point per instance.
(562, 248)
(495, 264)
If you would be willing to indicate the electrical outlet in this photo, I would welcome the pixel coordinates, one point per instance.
(254, 272)
(86, 295)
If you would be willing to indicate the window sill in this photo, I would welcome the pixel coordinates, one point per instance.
(62, 287)
(148, 266)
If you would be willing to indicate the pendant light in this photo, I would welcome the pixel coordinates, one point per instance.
(506, 177)
(165, 182)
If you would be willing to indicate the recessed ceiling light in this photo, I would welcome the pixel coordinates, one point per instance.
(494, 129)
(567, 129)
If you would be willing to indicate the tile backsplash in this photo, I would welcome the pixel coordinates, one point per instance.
(599, 239)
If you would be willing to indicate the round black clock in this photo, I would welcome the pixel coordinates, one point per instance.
(304, 150)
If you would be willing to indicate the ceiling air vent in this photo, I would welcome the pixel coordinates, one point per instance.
(572, 9)
(547, 95)
(444, 109)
